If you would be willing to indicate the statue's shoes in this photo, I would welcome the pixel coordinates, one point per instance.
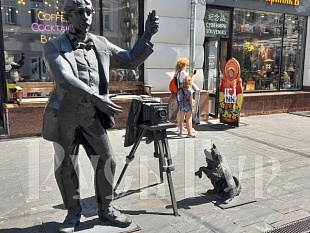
(113, 216)
(72, 220)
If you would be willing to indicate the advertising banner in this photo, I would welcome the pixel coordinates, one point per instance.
(297, 7)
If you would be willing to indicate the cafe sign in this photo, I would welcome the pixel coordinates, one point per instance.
(50, 24)
(216, 22)
(285, 2)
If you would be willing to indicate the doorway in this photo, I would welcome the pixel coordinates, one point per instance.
(216, 55)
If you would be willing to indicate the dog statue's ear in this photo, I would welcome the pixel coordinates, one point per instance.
(214, 147)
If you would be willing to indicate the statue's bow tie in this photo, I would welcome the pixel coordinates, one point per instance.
(81, 45)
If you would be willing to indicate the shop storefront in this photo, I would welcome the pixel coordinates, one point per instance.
(268, 38)
(27, 25)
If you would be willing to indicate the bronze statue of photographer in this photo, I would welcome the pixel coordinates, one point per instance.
(79, 109)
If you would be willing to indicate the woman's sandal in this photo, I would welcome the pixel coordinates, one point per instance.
(191, 135)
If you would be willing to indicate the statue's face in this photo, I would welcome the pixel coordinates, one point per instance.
(81, 17)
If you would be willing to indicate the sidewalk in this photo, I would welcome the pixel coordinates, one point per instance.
(270, 154)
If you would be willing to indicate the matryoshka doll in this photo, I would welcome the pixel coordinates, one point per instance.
(230, 95)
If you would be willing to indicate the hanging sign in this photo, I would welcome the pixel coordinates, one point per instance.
(231, 95)
(286, 2)
(216, 22)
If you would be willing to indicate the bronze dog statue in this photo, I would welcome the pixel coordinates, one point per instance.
(226, 186)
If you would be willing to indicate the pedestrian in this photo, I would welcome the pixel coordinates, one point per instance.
(180, 72)
(79, 109)
(186, 105)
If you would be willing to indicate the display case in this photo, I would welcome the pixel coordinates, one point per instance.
(269, 49)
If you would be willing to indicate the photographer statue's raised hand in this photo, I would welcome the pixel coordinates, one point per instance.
(151, 25)
(79, 109)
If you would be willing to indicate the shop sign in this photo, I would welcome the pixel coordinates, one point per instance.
(285, 2)
(48, 25)
(217, 22)
(205, 2)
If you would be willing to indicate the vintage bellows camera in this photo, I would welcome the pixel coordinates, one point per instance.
(155, 113)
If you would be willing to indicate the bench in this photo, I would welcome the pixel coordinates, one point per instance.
(137, 87)
(32, 89)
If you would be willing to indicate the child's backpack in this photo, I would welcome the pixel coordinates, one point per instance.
(173, 85)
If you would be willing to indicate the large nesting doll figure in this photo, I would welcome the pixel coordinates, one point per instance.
(230, 96)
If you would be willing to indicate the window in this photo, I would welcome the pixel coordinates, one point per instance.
(39, 21)
(266, 53)
(10, 15)
(106, 17)
(124, 20)
(34, 16)
(291, 63)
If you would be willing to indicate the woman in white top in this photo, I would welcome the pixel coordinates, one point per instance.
(180, 72)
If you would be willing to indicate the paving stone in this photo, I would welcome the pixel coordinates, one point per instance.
(256, 227)
(255, 213)
(273, 217)
(291, 217)
(282, 194)
(236, 201)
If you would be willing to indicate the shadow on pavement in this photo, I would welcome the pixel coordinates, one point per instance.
(133, 191)
(140, 212)
(187, 203)
(34, 229)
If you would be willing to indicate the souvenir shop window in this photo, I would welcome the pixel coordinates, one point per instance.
(257, 46)
(292, 55)
(267, 54)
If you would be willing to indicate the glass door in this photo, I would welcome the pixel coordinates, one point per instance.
(216, 57)
(211, 74)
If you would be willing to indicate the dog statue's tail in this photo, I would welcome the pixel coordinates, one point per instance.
(238, 186)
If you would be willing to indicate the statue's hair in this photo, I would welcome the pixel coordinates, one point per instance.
(69, 6)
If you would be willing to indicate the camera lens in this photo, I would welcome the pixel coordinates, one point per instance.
(162, 113)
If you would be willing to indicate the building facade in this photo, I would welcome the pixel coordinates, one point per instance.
(268, 38)
(27, 25)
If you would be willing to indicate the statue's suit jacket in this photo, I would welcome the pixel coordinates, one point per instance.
(69, 91)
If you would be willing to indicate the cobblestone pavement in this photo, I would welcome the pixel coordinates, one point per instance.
(269, 154)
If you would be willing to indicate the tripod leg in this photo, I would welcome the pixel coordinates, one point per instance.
(172, 194)
(161, 139)
(130, 157)
(160, 162)
(167, 149)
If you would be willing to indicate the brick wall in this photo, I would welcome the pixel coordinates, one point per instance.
(268, 103)
(27, 121)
